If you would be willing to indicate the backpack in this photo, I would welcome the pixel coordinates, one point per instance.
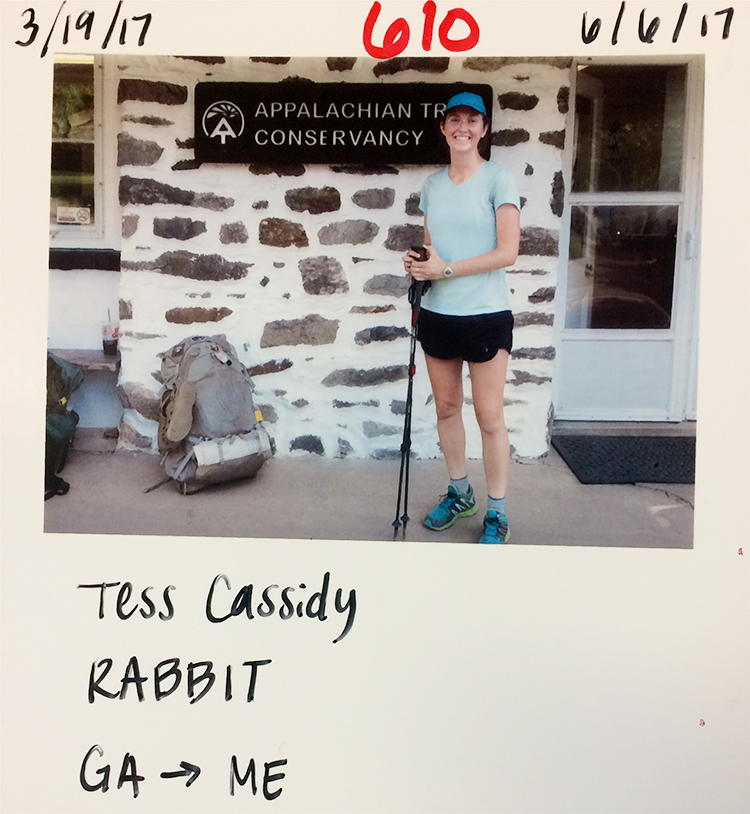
(63, 378)
(209, 429)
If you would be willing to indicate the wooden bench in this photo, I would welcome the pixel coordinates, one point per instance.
(89, 359)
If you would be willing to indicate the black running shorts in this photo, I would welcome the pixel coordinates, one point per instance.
(475, 338)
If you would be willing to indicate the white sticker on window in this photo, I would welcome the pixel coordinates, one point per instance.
(80, 215)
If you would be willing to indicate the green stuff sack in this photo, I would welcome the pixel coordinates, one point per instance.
(63, 378)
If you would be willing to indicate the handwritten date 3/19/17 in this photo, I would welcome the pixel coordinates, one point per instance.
(77, 29)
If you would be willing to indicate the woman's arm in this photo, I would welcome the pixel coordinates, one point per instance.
(508, 223)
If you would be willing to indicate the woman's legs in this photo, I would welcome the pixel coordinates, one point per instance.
(446, 377)
(487, 387)
(447, 389)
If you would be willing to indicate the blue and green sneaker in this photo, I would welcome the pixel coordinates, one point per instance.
(496, 529)
(453, 505)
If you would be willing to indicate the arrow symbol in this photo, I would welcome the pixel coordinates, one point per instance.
(188, 770)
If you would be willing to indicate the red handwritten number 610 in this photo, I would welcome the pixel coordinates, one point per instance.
(397, 34)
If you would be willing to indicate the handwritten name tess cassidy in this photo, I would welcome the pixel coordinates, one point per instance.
(222, 604)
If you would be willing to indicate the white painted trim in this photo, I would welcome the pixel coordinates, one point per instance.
(615, 415)
(561, 293)
(632, 335)
(685, 378)
(107, 230)
(626, 198)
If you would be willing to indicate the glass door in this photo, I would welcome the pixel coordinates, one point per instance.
(631, 282)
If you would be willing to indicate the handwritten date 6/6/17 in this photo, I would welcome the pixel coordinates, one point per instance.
(78, 29)
(647, 30)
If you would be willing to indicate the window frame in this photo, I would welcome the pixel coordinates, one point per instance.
(105, 233)
(677, 197)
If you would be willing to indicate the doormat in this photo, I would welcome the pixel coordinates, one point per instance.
(628, 458)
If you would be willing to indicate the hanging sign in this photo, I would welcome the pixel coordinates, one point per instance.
(324, 123)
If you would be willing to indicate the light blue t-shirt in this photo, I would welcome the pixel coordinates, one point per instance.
(461, 221)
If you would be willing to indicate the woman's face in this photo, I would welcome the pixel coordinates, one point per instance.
(463, 129)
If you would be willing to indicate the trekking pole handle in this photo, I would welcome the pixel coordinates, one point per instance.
(418, 287)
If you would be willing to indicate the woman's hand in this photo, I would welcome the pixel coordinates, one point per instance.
(430, 269)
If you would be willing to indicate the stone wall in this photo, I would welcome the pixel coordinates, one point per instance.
(300, 266)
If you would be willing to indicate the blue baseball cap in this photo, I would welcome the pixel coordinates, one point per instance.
(466, 99)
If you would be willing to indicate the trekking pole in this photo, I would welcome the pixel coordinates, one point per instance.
(416, 290)
(403, 477)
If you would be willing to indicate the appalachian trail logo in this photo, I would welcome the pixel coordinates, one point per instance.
(223, 120)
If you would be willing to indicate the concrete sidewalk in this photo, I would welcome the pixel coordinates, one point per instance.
(339, 499)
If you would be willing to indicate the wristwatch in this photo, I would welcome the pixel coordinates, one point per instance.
(448, 272)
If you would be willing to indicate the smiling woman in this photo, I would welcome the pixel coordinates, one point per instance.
(472, 232)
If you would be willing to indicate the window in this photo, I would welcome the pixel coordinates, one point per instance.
(626, 196)
(629, 128)
(621, 266)
(83, 189)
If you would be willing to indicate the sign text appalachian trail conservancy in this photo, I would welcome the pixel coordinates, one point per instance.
(323, 123)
